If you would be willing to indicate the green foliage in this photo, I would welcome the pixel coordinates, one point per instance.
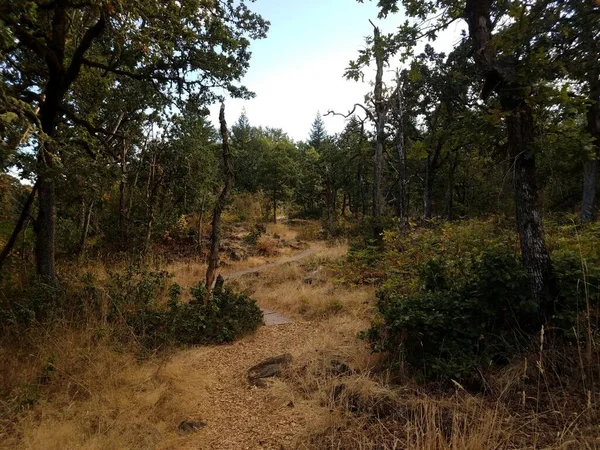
(36, 301)
(226, 317)
(475, 311)
(135, 289)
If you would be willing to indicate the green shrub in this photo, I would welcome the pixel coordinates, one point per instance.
(136, 288)
(474, 312)
(35, 301)
(227, 317)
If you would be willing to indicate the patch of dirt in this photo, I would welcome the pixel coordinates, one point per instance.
(241, 416)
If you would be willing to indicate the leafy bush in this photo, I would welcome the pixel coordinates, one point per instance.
(135, 289)
(138, 300)
(227, 317)
(36, 301)
(474, 312)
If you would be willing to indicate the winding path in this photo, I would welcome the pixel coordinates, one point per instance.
(271, 318)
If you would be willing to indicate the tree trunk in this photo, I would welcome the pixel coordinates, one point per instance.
(220, 204)
(85, 226)
(399, 114)
(590, 176)
(330, 199)
(45, 225)
(535, 256)
(520, 128)
(427, 189)
(200, 223)
(380, 116)
(450, 188)
(590, 167)
(122, 183)
(150, 202)
(274, 206)
(19, 226)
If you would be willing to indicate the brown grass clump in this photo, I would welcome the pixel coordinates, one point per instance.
(77, 390)
(266, 246)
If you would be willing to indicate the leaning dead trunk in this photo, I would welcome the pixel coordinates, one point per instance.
(19, 226)
(220, 204)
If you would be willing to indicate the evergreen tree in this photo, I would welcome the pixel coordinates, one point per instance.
(317, 132)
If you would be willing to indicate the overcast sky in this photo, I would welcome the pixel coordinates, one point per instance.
(298, 69)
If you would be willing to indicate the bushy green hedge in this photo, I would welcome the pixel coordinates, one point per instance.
(226, 317)
(475, 311)
(137, 301)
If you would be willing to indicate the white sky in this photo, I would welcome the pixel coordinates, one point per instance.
(298, 70)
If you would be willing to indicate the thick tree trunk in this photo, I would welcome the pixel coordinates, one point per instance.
(520, 128)
(220, 204)
(590, 177)
(535, 256)
(331, 209)
(590, 167)
(45, 225)
(150, 203)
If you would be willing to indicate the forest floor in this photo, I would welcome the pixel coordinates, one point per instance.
(115, 401)
(334, 394)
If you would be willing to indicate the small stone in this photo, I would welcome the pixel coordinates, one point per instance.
(189, 427)
(268, 368)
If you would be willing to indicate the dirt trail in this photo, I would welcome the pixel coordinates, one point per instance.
(271, 318)
(241, 416)
(272, 265)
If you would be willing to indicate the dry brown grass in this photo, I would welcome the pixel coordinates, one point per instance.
(98, 397)
(333, 396)
(266, 246)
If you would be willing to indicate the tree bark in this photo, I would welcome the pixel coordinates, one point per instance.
(122, 183)
(45, 225)
(380, 116)
(520, 130)
(150, 202)
(535, 256)
(399, 113)
(19, 226)
(274, 206)
(85, 226)
(220, 204)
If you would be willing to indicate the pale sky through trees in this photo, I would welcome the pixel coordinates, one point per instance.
(298, 70)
